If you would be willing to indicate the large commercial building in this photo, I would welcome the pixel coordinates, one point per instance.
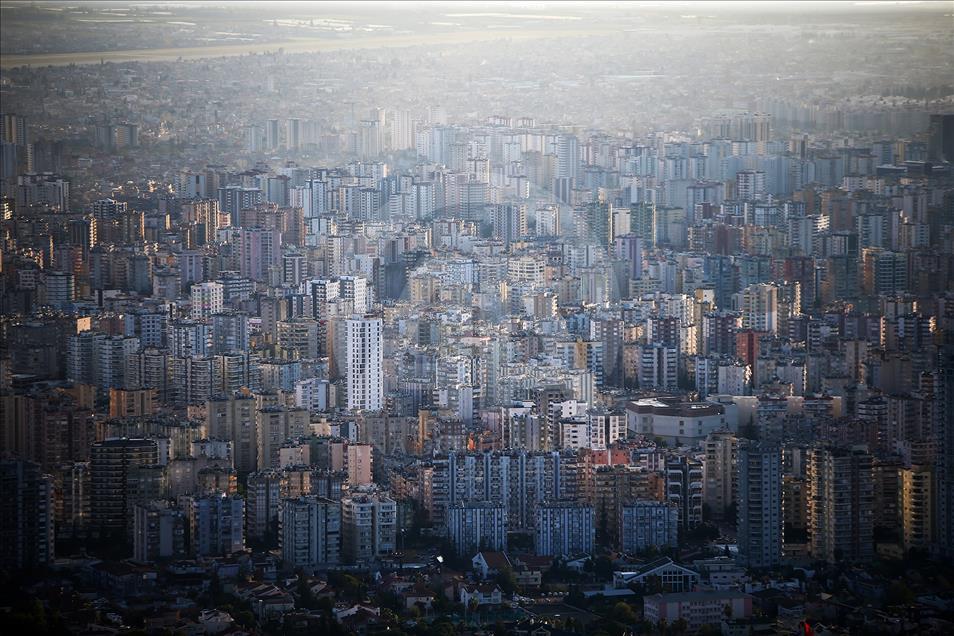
(233, 419)
(275, 425)
(230, 332)
(519, 480)
(207, 300)
(360, 461)
(658, 367)
(100, 360)
(759, 307)
(675, 421)
(298, 337)
(60, 289)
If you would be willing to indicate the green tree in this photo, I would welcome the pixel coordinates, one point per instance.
(623, 613)
(26, 617)
(643, 626)
(442, 628)
(306, 598)
(244, 617)
(575, 597)
(388, 616)
(472, 606)
(520, 541)
(215, 590)
(603, 567)
(390, 601)
(507, 581)
(353, 588)
(899, 594)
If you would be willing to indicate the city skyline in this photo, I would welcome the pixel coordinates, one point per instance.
(469, 318)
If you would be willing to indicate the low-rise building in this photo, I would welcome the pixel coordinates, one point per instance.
(662, 572)
(483, 594)
(488, 564)
(675, 421)
(697, 608)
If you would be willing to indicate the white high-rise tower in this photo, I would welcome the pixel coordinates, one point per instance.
(207, 299)
(364, 359)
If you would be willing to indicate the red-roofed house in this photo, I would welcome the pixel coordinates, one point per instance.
(420, 594)
(489, 564)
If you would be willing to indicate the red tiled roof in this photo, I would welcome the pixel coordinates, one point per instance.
(496, 560)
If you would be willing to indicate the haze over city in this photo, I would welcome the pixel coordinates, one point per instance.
(477, 317)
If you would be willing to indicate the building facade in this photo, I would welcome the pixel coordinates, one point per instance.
(565, 529)
(648, 524)
(474, 526)
(310, 532)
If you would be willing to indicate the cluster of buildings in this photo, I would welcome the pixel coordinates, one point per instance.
(496, 334)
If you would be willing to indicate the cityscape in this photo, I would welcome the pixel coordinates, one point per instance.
(476, 318)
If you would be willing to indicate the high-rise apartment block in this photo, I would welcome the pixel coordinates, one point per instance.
(840, 504)
(565, 529)
(684, 488)
(310, 532)
(916, 507)
(216, 525)
(648, 524)
(114, 471)
(207, 300)
(474, 526)
(364, 350)
(759, 504)
(159, 532)
(26, 516)
(721, 475)
(369, 526)
(263, 502)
